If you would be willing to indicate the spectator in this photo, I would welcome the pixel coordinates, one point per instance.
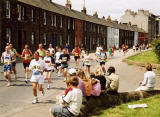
(73, 100)
(87, 82)
(149, 80)
(112, 81)
(96, 87)
(99, 76)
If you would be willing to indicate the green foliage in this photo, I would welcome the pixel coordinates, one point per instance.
(156, 47)
(153, 109)
(148, 57)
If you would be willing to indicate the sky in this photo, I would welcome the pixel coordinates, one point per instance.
(113, 8)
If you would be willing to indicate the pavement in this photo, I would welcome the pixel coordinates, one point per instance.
(15, 101)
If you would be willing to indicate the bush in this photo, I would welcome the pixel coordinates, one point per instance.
(156, 47)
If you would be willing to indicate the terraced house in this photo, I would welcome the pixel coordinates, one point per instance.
(43, 21)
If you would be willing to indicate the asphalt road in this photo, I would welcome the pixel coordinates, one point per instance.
(15, 101)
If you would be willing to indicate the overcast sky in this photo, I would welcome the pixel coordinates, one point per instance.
(114, 8)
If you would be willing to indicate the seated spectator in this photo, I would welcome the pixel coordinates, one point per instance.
(68, 86)
(112, 81)
(149, 80)
(96, 87)
(99, 76)
(81, 85)
(73, 100)
(87, 82)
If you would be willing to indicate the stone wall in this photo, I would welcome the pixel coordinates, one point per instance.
(107, 101)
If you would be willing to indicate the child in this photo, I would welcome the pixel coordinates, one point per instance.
(73, 100)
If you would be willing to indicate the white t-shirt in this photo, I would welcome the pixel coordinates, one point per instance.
(74, 100)
(149, 79)
(87, 60)
(48, 61)
(36, 67)
(7, 58)
(57, 57)
(98, 50)
(51, 50)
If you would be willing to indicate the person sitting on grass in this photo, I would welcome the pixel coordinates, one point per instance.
(73, 100)
(99, 76)
(112, 81)
(149, 80)
(86, 81)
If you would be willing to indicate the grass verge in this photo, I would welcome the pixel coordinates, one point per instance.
(153, 109)
(148, 57)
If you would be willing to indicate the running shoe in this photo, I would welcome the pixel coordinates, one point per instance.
(43, 92)
(48, 87)
(35, 101)
(26, 81)
(8, 84)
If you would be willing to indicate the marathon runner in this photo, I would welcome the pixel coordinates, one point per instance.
(64, 58)
(77, 53)
(57, 61)
(37, 66)
(49, 62)
(14, 55)
(26, 56)
(87, 61)
(103, 59)
(41, 52)
(6, 59)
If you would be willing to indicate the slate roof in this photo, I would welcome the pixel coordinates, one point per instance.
(59, 9)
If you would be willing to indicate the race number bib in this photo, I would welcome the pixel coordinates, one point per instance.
(36, 73)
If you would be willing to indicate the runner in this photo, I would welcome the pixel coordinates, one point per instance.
(77, 53)
(103, 58)
(87, 61)
(124, 49)
(41, 52)
(51, 50)
(14, 55)
(26, 56)
(49, 65)
(57, 61)
(97, 51)
(110, 52)
(37, 66)
(64, 58)
(7, 68)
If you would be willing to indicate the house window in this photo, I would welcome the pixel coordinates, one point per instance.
(33, 15)
(52, 20)
(85, 40)
(8, 35)
(61, 22)
(45, 18)
(19, 12)
(98, 28)
(8, 10)
(60, 40)
(68, 39)
(23, 13)
(55, 20)
(68, 23)
(33, 37)
(45, 38)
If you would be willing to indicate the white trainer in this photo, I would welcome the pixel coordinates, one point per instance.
(35, 101)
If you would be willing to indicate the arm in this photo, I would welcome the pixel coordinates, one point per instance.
(22, 55)
(145, 80)
(2, 58)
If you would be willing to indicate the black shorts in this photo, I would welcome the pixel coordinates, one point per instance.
(49, 71)
(13, 64)
(76, 58)
(57, 65)
(102, 63)
(63, 66)
(25, 65)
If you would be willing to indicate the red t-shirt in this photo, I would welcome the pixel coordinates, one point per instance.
(77, 52)
(26, 55)
(67, 90)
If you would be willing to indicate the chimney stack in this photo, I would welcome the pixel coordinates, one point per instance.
(84, 8)
(109, 18)
(95, 14)
(68, 4)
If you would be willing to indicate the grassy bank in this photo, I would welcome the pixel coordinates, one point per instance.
(148, 57)
(153, 109)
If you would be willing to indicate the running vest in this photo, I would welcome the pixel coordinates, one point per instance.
(76, 52)
(41, 54)
(7, 58)
(48, 61)
(27, 55)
